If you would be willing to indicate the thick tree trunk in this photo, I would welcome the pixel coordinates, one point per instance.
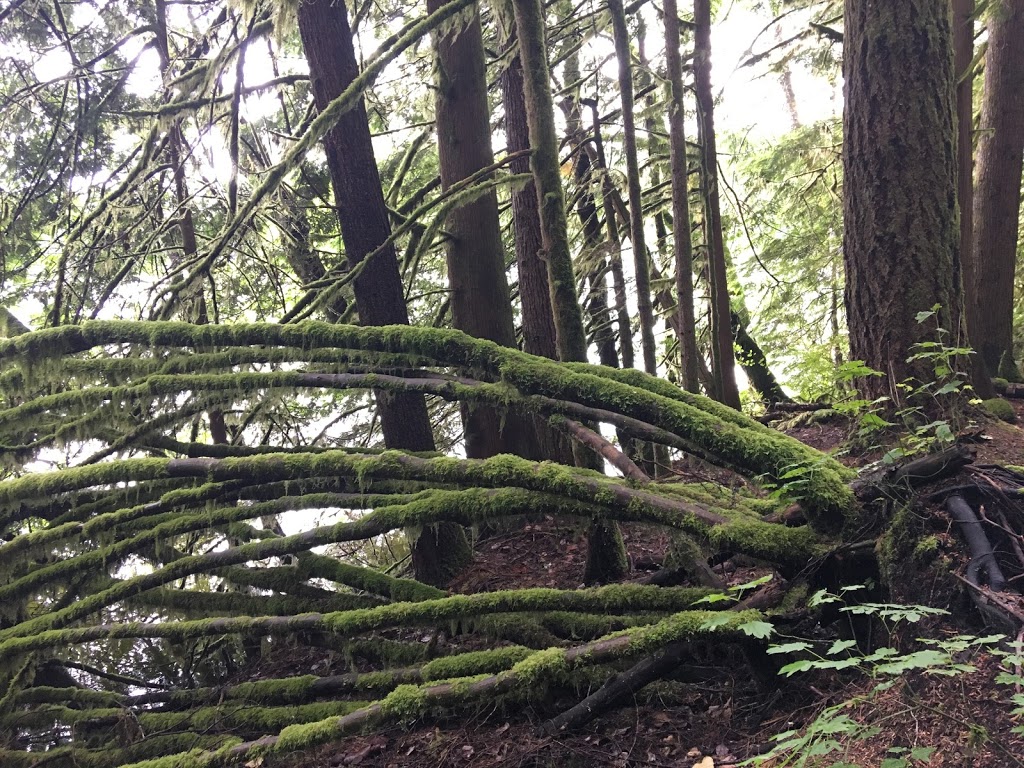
(682, 247)
(963, 68)
(480, 300)
(997, 199)
(645, 309)
(363, 216)
(722, 357)
(899, 157)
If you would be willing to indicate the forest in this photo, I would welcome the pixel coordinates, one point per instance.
(511, 383)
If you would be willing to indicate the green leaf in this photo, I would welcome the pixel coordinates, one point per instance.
(754, 583)
(917, 660)
(797, 666)
(821, 597)
(709, 599)
(924, 754)
(839, 646)
(789, 648)
(894, 762)
(716, 621)
(838, 664)
(762, 630)
(823, 748)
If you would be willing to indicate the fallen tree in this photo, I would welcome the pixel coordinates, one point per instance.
(149, 545)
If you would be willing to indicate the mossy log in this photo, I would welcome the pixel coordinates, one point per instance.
(138, 540)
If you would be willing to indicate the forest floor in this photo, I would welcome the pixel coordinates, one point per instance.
(722, 715)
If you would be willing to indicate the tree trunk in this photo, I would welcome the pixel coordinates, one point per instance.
(534, 292)
(614, 244)
(754, 363)
(682, 240)
(480, 300)
(569, 331)
(997, 200)
(963, 57)
(645, 310)
(722, 357)
(327, 38)
(899, 158)
(603, 333)
(606, 552)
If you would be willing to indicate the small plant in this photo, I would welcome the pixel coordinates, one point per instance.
(907, 413)
(826, 740)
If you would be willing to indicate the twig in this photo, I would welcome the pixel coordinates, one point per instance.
(599, 445)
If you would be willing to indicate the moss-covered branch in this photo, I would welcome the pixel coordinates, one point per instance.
(31, 636)
(721, 432)
(524, 681)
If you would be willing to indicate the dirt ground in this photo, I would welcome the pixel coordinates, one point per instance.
(720, 718)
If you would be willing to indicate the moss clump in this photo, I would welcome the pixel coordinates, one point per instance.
(927, 549)
(474, 663)
(1000, 409)
(909, 560)
(1008, 368)
(1000, 384)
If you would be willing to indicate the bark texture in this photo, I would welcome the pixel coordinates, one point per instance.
(534, 293)
(997, 198)
(480, 300)
(901, 236)
(722, 357)
(530, 28)
(681, 238)
(363, 217)
(645, 309)
(963, 68)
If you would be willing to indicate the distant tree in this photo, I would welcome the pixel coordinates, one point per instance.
(899, 193)
(998, 194)
(641, 260)
(682, 238)
(963, 59)
(480, 301)
(723, 359)
(534, 293)
(439, 551)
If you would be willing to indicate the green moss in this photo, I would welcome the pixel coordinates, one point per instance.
(789, 547)
(795, 599)
(541, 667)
(896, 549)
(1000, 409)
(297, 737)
(406, 701)
(474, 663)
(1000, 384)
(1008, 368)
(926, 549)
